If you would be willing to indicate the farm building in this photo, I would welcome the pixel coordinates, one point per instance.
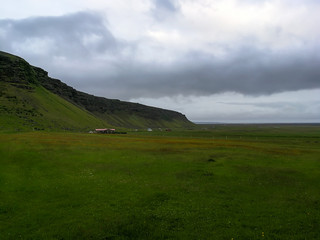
(105, 130)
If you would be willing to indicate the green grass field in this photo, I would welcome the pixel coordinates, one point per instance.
(228, 182)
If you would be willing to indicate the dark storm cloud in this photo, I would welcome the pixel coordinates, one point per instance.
(74, 35)
(247, 71)
(94, 61)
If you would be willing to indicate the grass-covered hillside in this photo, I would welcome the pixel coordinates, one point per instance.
(26, 105)
(30, 99)
(116, 112)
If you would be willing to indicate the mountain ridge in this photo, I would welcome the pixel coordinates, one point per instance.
(22, 85)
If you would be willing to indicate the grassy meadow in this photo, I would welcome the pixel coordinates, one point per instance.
(227, 182)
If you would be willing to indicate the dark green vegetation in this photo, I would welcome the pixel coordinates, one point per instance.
(29, 99)
(26, 105)
(263, 182)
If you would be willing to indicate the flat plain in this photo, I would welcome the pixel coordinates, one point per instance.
(217, 182)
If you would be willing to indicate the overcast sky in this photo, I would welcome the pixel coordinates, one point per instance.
(213, 60)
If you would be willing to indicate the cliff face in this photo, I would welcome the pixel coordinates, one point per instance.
(16, 73)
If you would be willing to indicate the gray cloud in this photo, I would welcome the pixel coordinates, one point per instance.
(169, 5)
(164, 8)
(92, 59)
(248, 71)
(71, 36)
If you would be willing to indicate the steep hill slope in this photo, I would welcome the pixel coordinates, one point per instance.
(25, 104)
(115, 112)
(31, 99)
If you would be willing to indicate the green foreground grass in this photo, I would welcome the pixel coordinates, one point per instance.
(184, 185)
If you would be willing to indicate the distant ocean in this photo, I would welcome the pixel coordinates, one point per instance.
(257, 123)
